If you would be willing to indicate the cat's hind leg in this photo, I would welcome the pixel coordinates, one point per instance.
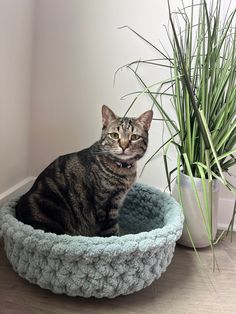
(52, 227)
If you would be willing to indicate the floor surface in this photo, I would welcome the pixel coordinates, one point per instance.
(184, 288)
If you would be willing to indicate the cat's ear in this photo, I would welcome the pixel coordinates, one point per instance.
(107, 116)
(145, 119)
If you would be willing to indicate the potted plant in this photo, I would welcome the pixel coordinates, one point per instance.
(202, 92)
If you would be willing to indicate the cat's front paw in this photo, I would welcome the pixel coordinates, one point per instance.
(111, 231)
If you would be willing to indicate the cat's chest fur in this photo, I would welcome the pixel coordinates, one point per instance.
(111, 182)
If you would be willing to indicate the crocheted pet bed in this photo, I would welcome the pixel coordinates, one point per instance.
(97, 266)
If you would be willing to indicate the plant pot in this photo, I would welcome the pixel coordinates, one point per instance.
(194, 221)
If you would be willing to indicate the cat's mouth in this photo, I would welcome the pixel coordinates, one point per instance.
(125, 155)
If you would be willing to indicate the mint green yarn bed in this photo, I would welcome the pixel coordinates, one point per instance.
(96, 266)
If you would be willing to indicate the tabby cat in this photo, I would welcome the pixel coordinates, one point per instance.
(80, 193)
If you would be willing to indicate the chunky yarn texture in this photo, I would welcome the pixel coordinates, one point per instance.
(152, 222)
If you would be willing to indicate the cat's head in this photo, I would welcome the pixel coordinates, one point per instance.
(125, 138)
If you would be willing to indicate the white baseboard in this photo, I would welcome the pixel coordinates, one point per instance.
(16, 190)
(225, 212)
(226, 205)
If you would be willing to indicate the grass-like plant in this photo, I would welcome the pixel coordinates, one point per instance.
(202, 91)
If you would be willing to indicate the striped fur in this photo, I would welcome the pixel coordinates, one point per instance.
(80, 193)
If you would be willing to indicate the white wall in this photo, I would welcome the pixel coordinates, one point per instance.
(16, 30)
(78, 48)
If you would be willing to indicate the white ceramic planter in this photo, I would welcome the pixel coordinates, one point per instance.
(192, 212)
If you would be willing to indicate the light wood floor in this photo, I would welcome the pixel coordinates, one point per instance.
(183, 288)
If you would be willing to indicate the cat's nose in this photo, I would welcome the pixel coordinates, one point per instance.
(124, 144)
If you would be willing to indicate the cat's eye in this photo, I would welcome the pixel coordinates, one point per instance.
(114, 135)
(135, 137)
